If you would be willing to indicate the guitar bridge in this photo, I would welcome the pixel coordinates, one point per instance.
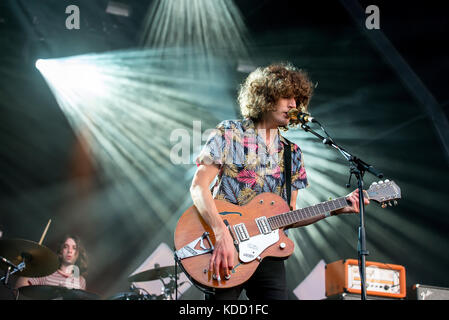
(189, 249)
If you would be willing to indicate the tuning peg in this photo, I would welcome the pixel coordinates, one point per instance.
(386, 180)
(395, 203)
(374, 183)
(380, 182)
(384, 205)
(389, 203)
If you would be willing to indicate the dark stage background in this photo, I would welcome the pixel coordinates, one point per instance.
(382, 94)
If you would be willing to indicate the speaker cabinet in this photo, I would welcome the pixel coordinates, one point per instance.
(424, 292)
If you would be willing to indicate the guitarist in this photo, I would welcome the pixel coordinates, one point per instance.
(246, 159)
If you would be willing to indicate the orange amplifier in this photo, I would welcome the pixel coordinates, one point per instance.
(382, 279)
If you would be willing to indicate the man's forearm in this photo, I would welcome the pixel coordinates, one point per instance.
(203, 201)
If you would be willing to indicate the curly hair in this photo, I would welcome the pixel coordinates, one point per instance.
(81, 262)
(263, 87)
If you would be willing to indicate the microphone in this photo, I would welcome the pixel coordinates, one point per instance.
(297, 117)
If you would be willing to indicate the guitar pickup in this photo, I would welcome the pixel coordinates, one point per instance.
(241, 232)
(189, 250)
(263, 225)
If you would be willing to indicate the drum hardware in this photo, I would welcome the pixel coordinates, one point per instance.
(126, 296)
(171, 287)
(146, 295)
(45, 292)
(159, 273)
(136, 293)
(153, 274)
(28, 258)
(131, 295)
(10, 270)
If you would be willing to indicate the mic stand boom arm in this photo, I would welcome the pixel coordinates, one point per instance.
(357, 168)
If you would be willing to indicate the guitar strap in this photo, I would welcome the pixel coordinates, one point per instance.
(288, 170)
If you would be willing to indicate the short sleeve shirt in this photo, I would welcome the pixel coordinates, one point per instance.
(247, 166)
(60, 279)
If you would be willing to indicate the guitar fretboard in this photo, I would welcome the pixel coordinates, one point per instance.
(291, 217)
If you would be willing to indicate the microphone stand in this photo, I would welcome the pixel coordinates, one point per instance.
(357, 168)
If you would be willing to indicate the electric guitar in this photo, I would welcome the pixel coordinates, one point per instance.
(257, 231)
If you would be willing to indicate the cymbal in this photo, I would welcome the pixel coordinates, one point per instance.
(153, 274)
(53, 292)
(40, 261)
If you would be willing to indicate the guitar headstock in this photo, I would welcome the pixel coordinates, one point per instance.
(384, 192)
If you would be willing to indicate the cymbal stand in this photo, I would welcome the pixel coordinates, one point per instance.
(171, 286)
(5, 278)
(146, 295)
(17, 268)
(167, 291)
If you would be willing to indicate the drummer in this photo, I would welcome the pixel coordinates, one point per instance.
(72, 267)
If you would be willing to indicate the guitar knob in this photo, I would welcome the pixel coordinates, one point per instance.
(215, 277)
(228, 276)
(282, 245)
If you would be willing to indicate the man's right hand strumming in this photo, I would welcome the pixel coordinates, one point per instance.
(223, 255)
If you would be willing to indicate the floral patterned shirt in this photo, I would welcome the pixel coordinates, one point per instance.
(247, 166)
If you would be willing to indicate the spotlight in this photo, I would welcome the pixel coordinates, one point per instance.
(119, 9)
(72, 74)
(39, 64)
(245, 66)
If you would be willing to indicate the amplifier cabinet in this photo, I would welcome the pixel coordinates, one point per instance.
(387, 280)
(424, 292)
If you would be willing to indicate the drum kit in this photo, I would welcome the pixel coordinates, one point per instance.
(158, 273)
(30, 259)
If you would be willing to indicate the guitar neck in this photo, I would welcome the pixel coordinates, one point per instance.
(308, 213)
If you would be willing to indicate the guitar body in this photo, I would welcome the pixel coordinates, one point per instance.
(191, 226)
(258, 228)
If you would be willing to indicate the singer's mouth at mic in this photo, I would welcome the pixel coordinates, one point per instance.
(292, 114)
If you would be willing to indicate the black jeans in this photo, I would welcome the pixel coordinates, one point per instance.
(267, 283)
